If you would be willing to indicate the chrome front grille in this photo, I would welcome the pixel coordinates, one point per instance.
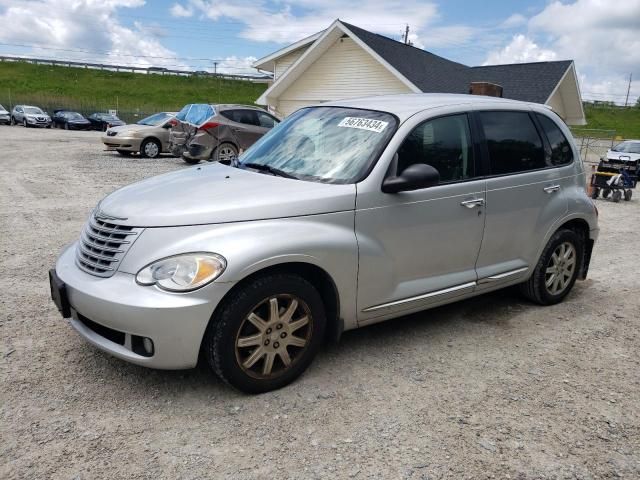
(102, 245)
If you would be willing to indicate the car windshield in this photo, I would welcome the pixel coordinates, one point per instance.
(627, 147)
(323, 144)
(108, 117)
(74, 116)
(155, 120)
(2, 108)
(33, 110)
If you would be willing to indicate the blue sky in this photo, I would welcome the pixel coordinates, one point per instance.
(601, 36)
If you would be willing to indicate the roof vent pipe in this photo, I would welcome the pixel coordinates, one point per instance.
(485, 88)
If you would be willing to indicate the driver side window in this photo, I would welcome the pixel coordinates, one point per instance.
(444, 143)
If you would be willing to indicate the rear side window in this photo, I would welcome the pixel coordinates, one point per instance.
(266, 120)
(513, 142)
(444, 143)
(561, 153)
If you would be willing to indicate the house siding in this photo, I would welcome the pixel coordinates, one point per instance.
(283, 63)
(345, 70)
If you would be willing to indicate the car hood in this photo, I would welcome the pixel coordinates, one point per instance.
(3, 112)
(216, 193)
(131, 128)
(611, 155)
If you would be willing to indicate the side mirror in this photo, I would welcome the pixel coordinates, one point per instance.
(415, 177)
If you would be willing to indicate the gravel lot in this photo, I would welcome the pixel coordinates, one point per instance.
(492, 387)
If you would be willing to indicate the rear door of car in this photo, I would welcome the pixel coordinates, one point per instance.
(245, 125)
(524, 196)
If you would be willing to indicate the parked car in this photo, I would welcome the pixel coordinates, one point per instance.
(70, 120)
(217, 132)
(30, 116)
(629, 150)
(347, 214)
(103, 121)
(5, 116)
(149, 137)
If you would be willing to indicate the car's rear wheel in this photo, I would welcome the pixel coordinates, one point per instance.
(124, 153)
(224, 153)
(557, 269)
(267, 333)
(150, 148)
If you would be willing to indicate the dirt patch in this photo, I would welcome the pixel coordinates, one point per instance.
(492, 387)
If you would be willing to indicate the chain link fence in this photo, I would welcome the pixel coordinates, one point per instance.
(594, 143)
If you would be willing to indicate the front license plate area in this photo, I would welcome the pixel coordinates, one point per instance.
(59, 294)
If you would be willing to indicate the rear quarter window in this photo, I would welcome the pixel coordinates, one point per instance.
(561, 153)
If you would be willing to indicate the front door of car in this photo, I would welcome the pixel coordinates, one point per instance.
(419, 248)
(525, 195)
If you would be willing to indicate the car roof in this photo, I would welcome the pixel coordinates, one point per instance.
(406, 105)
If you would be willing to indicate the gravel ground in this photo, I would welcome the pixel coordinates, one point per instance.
(492, 387)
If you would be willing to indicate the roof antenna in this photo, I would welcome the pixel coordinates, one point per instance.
(406, 40)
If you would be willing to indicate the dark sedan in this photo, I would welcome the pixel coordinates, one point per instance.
(103, 121)
(70, 120)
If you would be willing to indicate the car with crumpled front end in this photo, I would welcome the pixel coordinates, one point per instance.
(217, 132)
(149, 137)
(347, 214)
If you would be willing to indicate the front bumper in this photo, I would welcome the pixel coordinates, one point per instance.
(175, 322)
(129, 144)
(5, 119)
(38, 123)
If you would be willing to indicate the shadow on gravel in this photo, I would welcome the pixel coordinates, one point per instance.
(493, 310)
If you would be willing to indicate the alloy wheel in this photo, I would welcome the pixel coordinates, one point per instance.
(560, 268)
(226, 153)
(274, 336)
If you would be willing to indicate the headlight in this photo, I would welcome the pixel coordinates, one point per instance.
(182, 273)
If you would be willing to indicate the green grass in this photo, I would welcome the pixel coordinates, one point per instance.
(625, 121)
(95, 90)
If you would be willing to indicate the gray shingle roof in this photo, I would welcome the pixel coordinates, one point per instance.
(529, 82)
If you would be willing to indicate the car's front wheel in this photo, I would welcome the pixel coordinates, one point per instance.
(13, 120)
(267, 333)
(24, 123)
(557, 269)
(150, 148)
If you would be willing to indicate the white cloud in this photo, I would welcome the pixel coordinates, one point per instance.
(236, 65)
(515, 20)
(64, 29)
(181, 11)
(602, 37)
(521, 49)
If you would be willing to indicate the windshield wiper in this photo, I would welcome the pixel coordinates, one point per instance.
(269, 169)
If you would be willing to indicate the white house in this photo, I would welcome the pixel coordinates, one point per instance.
(345, 61)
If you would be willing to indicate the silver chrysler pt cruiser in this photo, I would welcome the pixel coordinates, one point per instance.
(346, 214)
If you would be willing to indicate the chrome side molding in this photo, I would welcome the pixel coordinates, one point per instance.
(420, 297)
(501, 276)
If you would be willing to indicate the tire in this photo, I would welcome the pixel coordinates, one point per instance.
(537, 288)
(24, 123)
(606, 192)
(628, 194)
(124, 153)
(596, 193)
(104, 127)
(191, 161)
(616, 196)
(150, 148)
(13, 120)
(66, 126)
(224, 152)
(231, 323)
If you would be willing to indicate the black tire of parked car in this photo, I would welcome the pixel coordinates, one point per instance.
(143, 152)
(191, 161)
(535, 289)
(24, 123)
(13, 120)
(66, 126)
(219, 345)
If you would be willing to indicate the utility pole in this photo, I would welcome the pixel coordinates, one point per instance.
(215, 68)
(406, 35)
(626, 100)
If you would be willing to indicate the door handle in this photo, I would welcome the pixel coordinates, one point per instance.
(475, 202)
(551, 188)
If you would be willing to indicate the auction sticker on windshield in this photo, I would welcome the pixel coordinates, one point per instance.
(364, 124)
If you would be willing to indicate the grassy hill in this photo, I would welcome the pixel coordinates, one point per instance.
(96, 90)
(625, 121)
